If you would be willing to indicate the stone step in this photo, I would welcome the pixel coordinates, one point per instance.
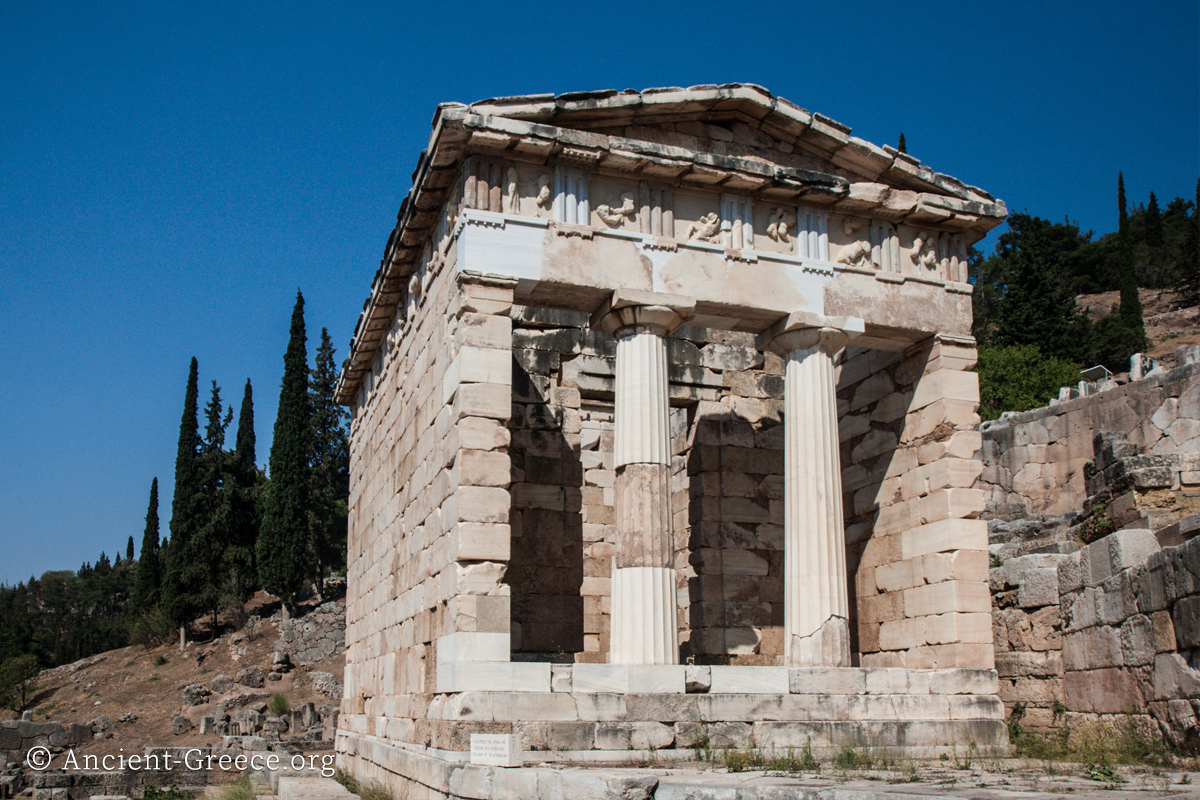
(310, 788)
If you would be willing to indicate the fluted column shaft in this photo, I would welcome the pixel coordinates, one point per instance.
(816, 596)
(644, 621)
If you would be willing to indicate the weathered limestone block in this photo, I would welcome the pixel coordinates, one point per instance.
(1038, 587)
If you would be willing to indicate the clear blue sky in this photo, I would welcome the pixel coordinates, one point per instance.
(171, 173)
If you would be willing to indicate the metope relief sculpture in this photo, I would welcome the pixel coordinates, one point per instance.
(778, 225)
(924, 252)
(617, 215)
(706, 229)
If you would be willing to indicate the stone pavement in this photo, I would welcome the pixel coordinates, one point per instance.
(1002, 780)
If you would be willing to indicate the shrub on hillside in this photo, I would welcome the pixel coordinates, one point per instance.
(1018, 378)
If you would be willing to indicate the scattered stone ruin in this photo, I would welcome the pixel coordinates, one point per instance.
(1094, 503)
(663, 417)
(317, 635)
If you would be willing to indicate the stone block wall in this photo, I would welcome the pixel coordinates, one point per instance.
(318, 634)
(1110, 630)
(428, 530)
(1034, 461)
(917, 553)
(726, 492)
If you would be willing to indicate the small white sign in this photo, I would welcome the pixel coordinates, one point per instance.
(496, 749)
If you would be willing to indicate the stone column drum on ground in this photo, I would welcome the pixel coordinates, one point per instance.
(644, 615)
(816, 594)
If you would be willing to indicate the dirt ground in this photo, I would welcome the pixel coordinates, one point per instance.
(148, 682)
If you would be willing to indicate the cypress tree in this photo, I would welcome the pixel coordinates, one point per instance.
(245, 430)
(178, 584)
(902, 146)
(129, 549)
(1154, 225)
(149, 571)
(1189, 275)
(284, 536)
(1122, 214)
(331, 465)
(245, 498)
(213, 505)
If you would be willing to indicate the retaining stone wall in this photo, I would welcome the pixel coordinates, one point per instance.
(317, 635)
(1108, 631)
(1034, 461)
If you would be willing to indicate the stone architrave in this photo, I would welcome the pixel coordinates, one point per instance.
(816, 593)
(644, 616)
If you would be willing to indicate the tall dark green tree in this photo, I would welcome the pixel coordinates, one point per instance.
(129, 549)
(902, 146)
(1154, 224)
(283, 541)
(179, 573)
(214, 531)
(245, 430)
(330, 466)
(240, 571)
(1122, 212)
(1187, 280)
(148, 577)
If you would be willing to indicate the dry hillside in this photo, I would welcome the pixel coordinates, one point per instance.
(1167, 325)
(147, 682)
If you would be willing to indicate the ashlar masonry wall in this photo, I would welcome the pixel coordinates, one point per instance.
(428, 529)
(1034, 461)
(918, 553)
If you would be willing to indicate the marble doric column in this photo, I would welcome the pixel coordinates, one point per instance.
(644, 617)
(816, 594)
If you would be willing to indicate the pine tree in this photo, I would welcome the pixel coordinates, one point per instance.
(331, 465)
(129, 549)
(902, 146)
(1037, 306)
(284, 536)
(179, 573)
(149, 570)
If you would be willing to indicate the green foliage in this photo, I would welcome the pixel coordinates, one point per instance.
(160, 660)
(241, 789)
(1019, 378)
(278, 705)
(848, 757)
(1186, 278)
(65, 616)
(148, 575)
(1025, 293)
(283, 542)
(16, 681)
(172, 792)
(179, 570)
(756, 758)
(330, 466)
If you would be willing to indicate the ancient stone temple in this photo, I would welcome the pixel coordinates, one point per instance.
(664, 431)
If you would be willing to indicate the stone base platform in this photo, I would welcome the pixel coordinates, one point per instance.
(981, 775)
(598, 717)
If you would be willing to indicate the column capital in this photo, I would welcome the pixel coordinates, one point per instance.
(805, 330)
(657, 312)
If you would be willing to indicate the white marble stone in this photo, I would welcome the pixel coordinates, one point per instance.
(496, 749)
(749, 680)
(644, 628)
(816, 596)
